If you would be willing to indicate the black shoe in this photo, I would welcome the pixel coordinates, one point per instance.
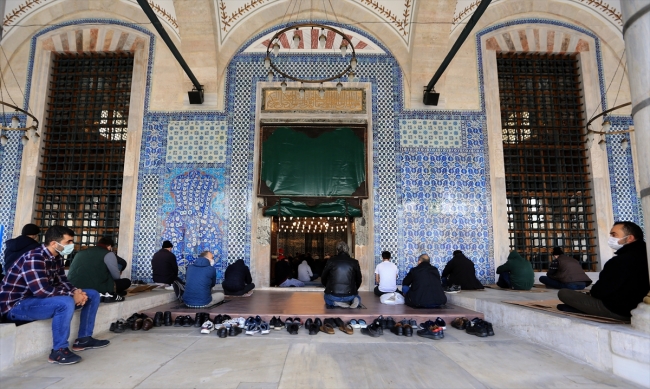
(178, 322)
(379, 324)
(434, 332)
(397, 329)
(167, 318)
(197, 319)
(370, 331)
(477, 328)
(136, 325)
(112, 327)
(234, 330)
(187, 321)
(157, 319)
(441, 323)
(390, 323)
(63, 356)
(272, 323)
(132, 319)
(381, 321)
(222, 332)
(89, 342)
(218, 319)
(308, 323)
(408, 330)
(279, 324)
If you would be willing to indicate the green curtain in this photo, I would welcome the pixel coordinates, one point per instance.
(289, 207)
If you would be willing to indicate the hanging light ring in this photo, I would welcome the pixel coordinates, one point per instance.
(33, 126)
(275, 40)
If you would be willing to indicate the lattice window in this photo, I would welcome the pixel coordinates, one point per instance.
(85, 140)
(548, 186)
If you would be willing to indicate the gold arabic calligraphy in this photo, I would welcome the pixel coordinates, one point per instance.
(346, 101)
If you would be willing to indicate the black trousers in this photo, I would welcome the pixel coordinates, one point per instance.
(242, 292)
(122, 285)
(379, 293)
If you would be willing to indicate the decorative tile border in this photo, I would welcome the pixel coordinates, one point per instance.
(192, 141)
(10, 162)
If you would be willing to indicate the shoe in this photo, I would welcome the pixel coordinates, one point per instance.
(433, 332)
(341, 304)
(308, 323)
(426, 324)
(222, 332)
(63, 356)
(136, 325)
(187, 321)
(158, 319)
(355, 303)
(132, 319)
(381, 321)
(327, 327)
(490, 330)
(343, 327)
(371, 331)
(314, 326)
(252, 329)
(198, 319)
(112, 327)
(460, 323)
(89, 342)
(178, 322)
(207, 327)
(264, 328)
(234, 330)
(408, 330)
(249, 321)
(390, 323)
(226, 317)
(354, 323)
(452, 289)
(147, 324)
(413, 323)
(218, 319)
(293, 328)
(362, 323)
(288, 322)
(398, 329)
(441, 323)
(477, 328)
(272, 323)
(279, 324)
(167, 318)
(112, 299)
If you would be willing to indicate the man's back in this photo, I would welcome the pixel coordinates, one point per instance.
(237, 276)
(201, 277)
(282, 271)
(460, 271)
(341, 275)
(425, 288)
(387, 276)
(164, 266)
(16, 247)
(304, 272)
(89, 271)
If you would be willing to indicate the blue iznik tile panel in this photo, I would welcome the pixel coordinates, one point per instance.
(10, 160)
(430, 133)
(193, 141)
(625, 198)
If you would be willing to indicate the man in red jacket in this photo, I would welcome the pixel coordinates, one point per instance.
(622, 283)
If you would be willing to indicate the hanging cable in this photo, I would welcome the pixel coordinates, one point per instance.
(16, 79)
(610, 84)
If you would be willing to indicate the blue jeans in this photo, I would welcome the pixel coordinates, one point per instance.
(504, 280)
(60, 309)
(330, 299)
(405, 290)
(555, 284)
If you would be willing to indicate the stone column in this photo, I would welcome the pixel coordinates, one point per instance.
(636, 30)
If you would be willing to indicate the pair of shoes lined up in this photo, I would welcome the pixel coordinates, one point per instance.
(376, 328)
(404, 328)
(292, 325)
(64, 356)
(452, 289)
(329, 325)
(479, 327)
(232, 329)
(255, 325)
(136, 322)
(388, 323)
(276, 323)
(433, 329)
(109, 298)
(358, 324)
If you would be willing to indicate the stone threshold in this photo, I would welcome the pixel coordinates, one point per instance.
(614, 348)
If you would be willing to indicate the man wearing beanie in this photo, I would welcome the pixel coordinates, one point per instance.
(165, 268)
(14, 248)
(565, 272)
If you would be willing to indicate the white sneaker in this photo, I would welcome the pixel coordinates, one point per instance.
(207, 327)
(169, 287)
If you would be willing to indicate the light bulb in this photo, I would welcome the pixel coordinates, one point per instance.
(353, 63)
(602, 143)
(270, 76)
(267, 63)
(344, 49)
(283, 86)
(296, 39)
(339, 87)
(301, 91)
(30, 132)
(321, 92)
(24, 140)
(606, 125)
(276, 49)
(322, 40)
(624, 144)
(352, 77)
(15, 122)
(3, 140)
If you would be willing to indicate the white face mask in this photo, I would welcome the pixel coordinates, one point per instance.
(613, 242)
(67, 249)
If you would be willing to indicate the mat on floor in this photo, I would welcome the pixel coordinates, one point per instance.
(183, 306)
(497, 287)
(249, 294)
(361, 306)
(551, 306)
(132, 291)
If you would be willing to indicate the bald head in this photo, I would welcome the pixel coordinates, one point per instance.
(424, 258)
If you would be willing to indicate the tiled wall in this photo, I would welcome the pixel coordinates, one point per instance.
(10, 158)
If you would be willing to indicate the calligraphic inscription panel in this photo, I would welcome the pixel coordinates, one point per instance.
(348, 100)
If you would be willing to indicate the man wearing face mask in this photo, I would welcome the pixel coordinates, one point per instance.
(36, 288)
(623, 281)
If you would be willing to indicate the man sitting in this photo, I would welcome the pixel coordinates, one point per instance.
(237, 279)
(14, 248)
(517, 273)
(460, 271)
(201, 277)
(97, 268)
(422, 287)
(385, 275)
(342, 279)
(36, 288)
(284, 274)
(165, 269)
(565, 272)
(623, 282)
(304, 272)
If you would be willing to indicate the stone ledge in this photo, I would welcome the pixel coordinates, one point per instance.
(18, 344)
(615, 348)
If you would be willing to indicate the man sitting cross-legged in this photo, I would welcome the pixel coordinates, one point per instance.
(342, 279)
(36, 288)
(422, 287)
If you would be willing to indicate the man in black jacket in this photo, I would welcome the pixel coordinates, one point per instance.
(460, 271)
(342, 279)
(14, 248)
(622, 283)
(422, 287)
(237, 280)
(165, 268)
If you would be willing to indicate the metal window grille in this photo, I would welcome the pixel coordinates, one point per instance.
(549, 197)
(85, 138)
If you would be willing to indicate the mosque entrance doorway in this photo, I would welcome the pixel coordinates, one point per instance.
(312, 239)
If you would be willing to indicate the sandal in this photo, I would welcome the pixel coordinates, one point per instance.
(327, 327)
(347, 328)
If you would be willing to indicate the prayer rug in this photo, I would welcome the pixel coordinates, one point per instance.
(183, 306)
(497, 287)
(249, 294)
(551, 306)
(361, 306)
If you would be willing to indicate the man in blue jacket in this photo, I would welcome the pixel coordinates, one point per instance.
(14, 248)
(201, 277)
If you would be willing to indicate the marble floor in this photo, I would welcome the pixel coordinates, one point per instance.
(172, 357)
